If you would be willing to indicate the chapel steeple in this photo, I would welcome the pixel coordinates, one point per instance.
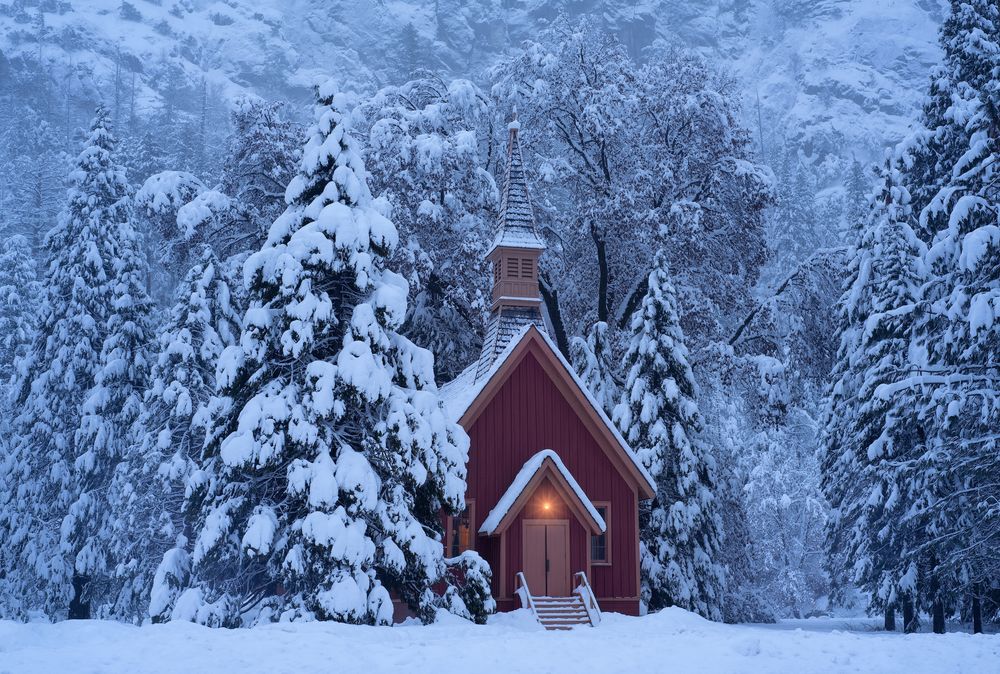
(514, 254)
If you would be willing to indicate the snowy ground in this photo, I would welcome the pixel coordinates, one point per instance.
(671, 641)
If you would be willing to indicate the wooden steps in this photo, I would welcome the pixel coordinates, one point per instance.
(561, 613)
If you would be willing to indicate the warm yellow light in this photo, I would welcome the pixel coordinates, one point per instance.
(546, 505)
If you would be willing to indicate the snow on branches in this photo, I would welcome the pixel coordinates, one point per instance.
(336, 456)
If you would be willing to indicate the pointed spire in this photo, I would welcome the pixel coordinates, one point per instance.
(517, 300)
(516, 222)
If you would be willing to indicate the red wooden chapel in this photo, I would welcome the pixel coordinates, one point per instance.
(553, 489)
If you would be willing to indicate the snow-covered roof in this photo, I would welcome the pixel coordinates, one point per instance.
(521, 481)
(506, 325)
(516, 239)
(516, 222)
(459, 394)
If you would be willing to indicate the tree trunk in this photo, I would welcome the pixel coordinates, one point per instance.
(78, 608)
(551, 298)
(937, 608)
(602, 266)
(910, 621)
(624, 318)
(938, 616)
(977, 613)
(890, 619)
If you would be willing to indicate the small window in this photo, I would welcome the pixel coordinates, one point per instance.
(599, 553)
(513, 267)
(527, 267)
(459, 534)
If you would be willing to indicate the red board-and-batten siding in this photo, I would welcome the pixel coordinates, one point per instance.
(526, 415)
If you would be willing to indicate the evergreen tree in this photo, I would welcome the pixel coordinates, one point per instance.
(958, 337)
(856, 188)
(171, 248)
(111, 407)
(142, 155)
(796, 229)
(38, 183)
(592, 359)
(262, 158)
(680, 530)
(55, 379)
(162, 482)
(336, 457)
(19, 295)
(411, 50)
(871, 427)
(969, 39)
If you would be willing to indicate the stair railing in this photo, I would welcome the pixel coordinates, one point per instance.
(522, 591)
(581, 587)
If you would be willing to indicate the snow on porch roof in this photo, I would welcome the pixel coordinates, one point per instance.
(459, 394)
(523, 478)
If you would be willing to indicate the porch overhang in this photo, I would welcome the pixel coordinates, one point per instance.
(544, 464)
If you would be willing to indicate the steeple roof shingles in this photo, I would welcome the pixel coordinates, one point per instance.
(516, 222)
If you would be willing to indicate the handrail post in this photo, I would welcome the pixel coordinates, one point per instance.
(526, 598)
(586, 593)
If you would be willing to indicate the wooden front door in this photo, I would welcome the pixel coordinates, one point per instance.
(546, 557)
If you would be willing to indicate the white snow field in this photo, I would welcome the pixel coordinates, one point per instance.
(670, 641)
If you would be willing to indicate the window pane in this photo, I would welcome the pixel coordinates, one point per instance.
(461, 534)
(599, 543)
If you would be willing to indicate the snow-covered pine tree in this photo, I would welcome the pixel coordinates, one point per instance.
(142, 155)
(958, 338)
(180, 214)
(680, 530)
(55, 379)
(337, 457)
(170, 248)
(795, 228)
(871, 427)
(857, 185)
(104, 439)
(840, 454)
(262, 158)
(19, 295)
(161, 483)
(38, 178)
(969, 38)
(592, 359)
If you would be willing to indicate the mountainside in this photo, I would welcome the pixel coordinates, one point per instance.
(841, 76)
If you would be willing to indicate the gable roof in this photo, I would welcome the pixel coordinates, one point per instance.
(545, 463)
(467, 396)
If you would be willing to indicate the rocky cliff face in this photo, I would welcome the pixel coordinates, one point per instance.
(831, 76)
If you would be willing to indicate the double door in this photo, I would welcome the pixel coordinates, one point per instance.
(546, 557)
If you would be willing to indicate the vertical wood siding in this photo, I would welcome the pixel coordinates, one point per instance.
(529, 414)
